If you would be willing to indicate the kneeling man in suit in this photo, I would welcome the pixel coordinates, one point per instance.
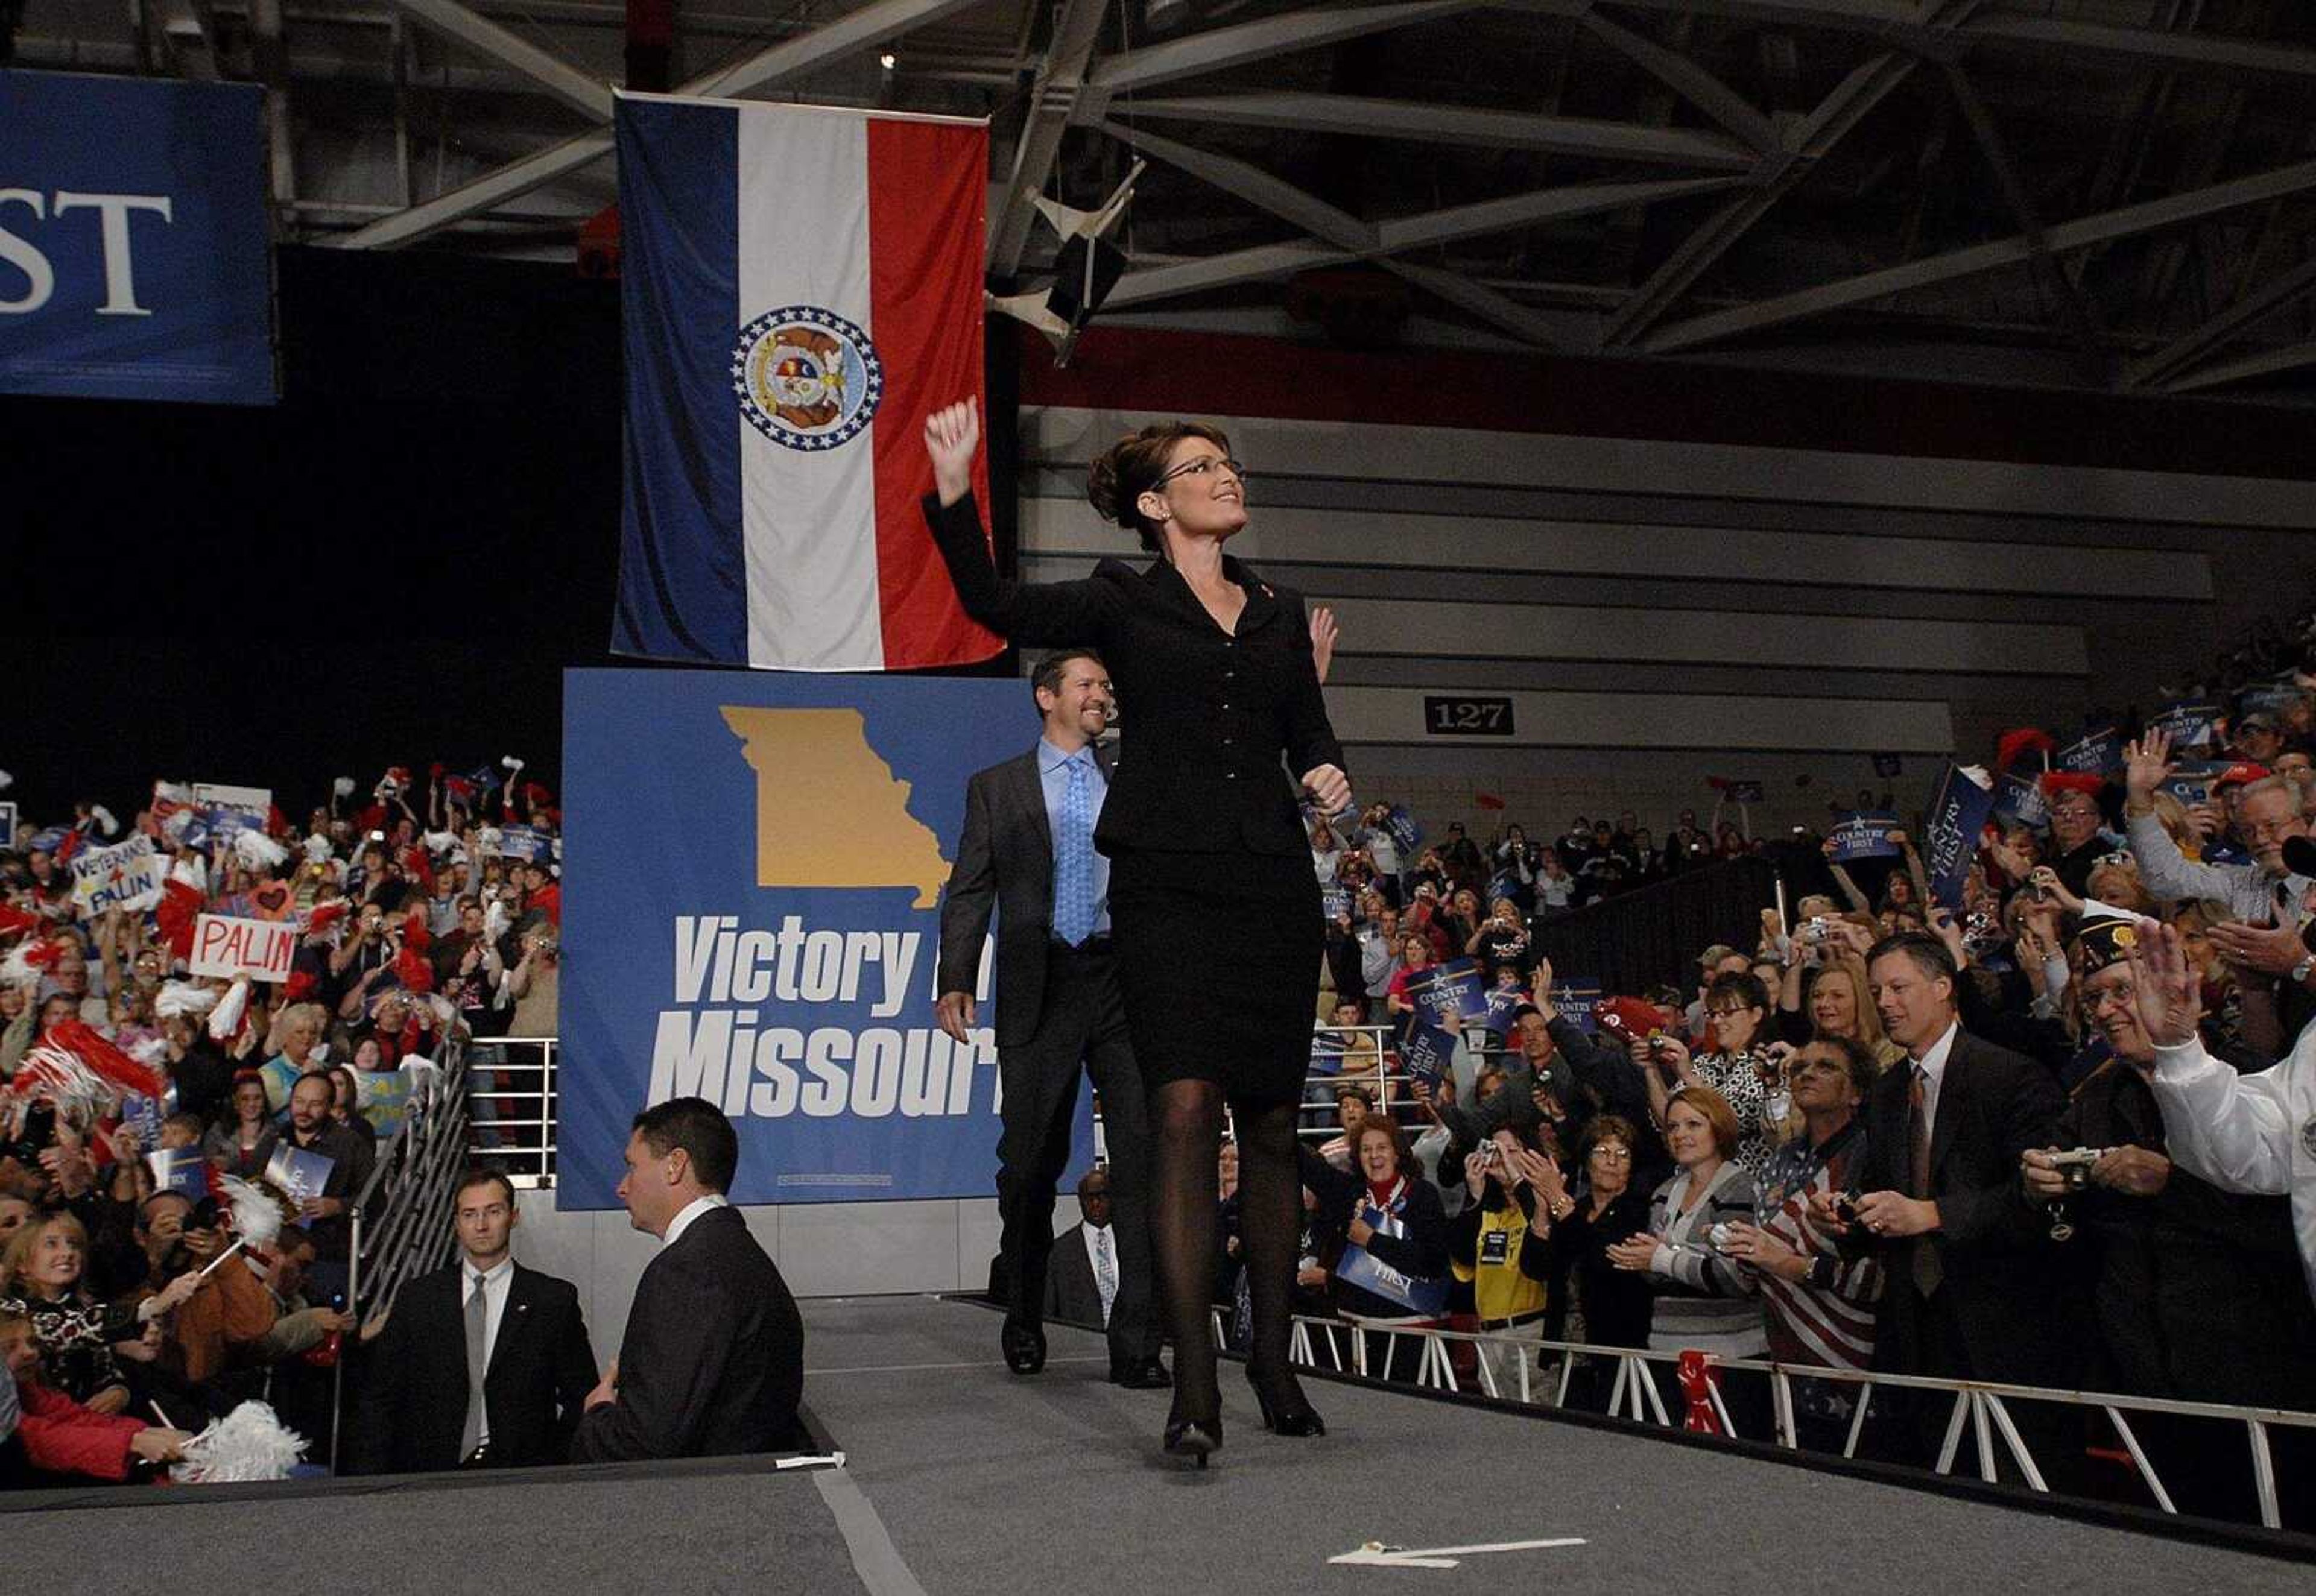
(484, 1362)
(713, 1360)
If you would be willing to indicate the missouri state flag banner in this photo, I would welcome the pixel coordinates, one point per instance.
(800, 286)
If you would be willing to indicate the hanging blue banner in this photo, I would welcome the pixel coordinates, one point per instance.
(750, 914)
(135, 248)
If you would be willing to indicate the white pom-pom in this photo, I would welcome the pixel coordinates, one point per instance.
(494, 919)
(179, 822)
(488, 839)
(342, 787)
(17, 970)
(249, 1444)
(104, 820)
(258, 851)
(512, 763)
(6, 781)
(184, 997)
(257, 1213)
(440, 842)
(226, 1018)
(317, 848)
(153, 1052)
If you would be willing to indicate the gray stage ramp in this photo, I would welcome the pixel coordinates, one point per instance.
(962, 1478)
(990, 1483)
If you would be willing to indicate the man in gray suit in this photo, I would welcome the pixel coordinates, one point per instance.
(1028, 852)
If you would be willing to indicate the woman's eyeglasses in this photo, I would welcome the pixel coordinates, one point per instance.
(1204, 467)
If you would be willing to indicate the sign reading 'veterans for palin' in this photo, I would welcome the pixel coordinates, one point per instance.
(750, 914)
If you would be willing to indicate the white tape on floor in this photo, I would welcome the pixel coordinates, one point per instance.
(1375, 1554)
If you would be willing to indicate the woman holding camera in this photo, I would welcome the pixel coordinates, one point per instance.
(1580, 1237)
(1213, 907)
(1738, 1069)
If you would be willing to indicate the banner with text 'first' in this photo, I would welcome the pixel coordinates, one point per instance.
(135, 251)
(751, 915)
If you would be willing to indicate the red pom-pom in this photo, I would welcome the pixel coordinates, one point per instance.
(2055, 782)
(416, 936)
(411, 968)
(300, 986)
(180, 907)
(2022, 740)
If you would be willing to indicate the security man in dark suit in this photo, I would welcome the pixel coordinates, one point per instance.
(712, 1362)
(1970, 1288)
(422, 1406)
(1027, 851)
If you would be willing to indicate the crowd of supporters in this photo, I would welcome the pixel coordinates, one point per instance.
(1694, 1167)
(130, 1087)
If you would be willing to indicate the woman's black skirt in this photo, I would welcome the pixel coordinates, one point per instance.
(1218, 958)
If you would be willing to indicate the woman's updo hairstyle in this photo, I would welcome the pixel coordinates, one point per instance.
(1131, 467)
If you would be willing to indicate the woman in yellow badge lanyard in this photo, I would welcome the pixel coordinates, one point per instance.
(1506, 1179)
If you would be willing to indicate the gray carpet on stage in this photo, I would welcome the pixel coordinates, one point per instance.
(554, 1536)
(989, 1483)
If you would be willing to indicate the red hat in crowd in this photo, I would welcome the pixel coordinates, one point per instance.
(2239, 773)
(2055, 782)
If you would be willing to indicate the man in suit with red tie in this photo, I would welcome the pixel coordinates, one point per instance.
(483, 1363)
(1972, 1290)
(1027, 852)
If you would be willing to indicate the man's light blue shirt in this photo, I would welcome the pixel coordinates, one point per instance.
(1053, 777)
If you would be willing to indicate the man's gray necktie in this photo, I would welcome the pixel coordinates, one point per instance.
(478, 1324)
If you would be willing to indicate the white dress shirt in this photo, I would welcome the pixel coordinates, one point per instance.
(2246, 1132)
(692, 1210)
(493, 1284)
(1933, 1065)
(1097, 1236)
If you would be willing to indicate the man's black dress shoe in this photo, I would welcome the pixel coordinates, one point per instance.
(1024, 1345)
(1140, 1374)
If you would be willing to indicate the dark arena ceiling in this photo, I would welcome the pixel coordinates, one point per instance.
(2117, 195)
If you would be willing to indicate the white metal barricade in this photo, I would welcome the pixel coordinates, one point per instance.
(1981, 1410)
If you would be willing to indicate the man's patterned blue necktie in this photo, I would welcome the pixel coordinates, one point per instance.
(1074, 856)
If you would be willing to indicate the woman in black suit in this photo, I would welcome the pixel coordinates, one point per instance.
(1213, 907)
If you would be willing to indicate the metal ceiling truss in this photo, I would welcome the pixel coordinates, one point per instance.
(1752, 155)
(855, 32)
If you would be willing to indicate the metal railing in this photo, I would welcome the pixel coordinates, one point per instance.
(400, 1220)
(1981, 1408)
(512, 1084)
(511, 1105)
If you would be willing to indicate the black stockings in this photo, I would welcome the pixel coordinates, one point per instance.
(1187, 1117)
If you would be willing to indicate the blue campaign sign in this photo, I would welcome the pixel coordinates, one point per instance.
(1579, 997)
(1862, 836)
(1958, 812)
(750, 914)
(2095, 753)
(2189, 725)
(2019, 799)
(135, 247)
(7, 825)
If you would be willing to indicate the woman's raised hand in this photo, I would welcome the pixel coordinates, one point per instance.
(952, 436)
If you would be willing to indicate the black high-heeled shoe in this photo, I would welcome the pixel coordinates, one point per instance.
(1285, 1411)
(1195, 1439)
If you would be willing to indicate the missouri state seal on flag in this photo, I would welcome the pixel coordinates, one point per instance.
(801, 285)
